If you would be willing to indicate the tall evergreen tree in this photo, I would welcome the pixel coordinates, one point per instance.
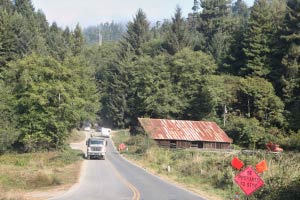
(290, 63)
(16, 40)
(240, 8)
(178, 35)
(234, 61)
(137, 34)
(78, 40)
(258, 39)
(24, 7)
(43, 30)
(114, 99)
(216, 26)
(7, 5)
(27, 11)
(68, 39)
(55, 43)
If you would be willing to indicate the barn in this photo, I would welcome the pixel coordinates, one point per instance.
(185, 134)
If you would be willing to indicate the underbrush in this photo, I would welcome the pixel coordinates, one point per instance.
(76, 136)
(212, 172)
(26, 172)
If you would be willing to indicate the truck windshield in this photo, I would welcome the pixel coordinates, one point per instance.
(96, 142)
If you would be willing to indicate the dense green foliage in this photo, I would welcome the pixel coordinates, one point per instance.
(227, 63)
(47, 86)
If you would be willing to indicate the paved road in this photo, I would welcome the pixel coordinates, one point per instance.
(117, 179)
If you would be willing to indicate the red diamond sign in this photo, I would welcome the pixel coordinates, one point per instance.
(249, 181)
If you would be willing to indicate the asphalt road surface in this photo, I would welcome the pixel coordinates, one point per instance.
(117, 179)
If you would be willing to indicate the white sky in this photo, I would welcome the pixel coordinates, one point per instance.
(92, 12)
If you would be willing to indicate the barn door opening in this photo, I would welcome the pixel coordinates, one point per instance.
(173, 144)
(200, 145)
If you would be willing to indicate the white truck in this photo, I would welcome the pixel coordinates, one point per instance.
(105, 132)
(96, 148)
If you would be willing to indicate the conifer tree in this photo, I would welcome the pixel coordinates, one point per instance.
(16, 40)
(213, 16)
(24, 7)
(216, 27)
(43, 31)
(178, 35)
(7, 5)
(55, 42)
(114, 99)
(137, 34)
(240, 8)
(266, 16)
(234, 61)
(78, 40)
(290, 63)
(29, 35)
(257, 40)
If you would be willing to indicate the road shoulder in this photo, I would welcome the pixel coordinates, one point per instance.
(165, 178)
(67, 188)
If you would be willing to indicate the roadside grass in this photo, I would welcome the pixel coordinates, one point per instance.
(21, 173)
(210, 173)
(76, 136)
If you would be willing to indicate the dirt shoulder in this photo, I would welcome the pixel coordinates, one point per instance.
(36, 176)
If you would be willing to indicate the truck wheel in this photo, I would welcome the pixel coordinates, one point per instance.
(88, 157)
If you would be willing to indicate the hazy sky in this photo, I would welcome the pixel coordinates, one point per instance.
(92, 12)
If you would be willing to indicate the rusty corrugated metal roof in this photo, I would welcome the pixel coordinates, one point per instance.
(164, 129)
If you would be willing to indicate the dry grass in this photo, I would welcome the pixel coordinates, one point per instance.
(211, 175)
(12, 195)
(21, 173)
(76, 136)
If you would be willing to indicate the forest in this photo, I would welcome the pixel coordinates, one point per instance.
(47, 87)
(224, 62)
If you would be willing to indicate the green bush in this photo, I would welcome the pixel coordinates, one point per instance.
(277, 188)
(37, 142)
(292, 142)
(246, 132)
(141, 142)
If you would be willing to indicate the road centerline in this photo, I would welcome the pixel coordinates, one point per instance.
(135, 191)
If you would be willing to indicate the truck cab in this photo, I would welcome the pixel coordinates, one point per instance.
(96, 148)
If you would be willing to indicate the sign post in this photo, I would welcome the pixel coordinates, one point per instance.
(122, 147)
(249, 181)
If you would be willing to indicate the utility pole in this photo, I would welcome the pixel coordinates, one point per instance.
(224, 116)
(99, 37)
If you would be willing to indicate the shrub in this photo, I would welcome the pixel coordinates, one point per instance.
(36, 142)
(245, 131)
(292, 142)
